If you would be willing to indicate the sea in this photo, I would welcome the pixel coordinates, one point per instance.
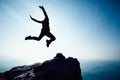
(100, 70)
(90, 69)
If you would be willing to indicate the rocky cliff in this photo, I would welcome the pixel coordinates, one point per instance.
(58, 68)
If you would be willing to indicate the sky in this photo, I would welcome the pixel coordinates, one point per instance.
(84, 29)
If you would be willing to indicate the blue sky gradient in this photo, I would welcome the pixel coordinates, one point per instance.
(85, 29)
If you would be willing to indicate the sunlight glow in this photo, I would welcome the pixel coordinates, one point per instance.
(80, 32)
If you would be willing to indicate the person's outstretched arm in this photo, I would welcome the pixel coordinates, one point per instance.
(35, 20)
(46, 16)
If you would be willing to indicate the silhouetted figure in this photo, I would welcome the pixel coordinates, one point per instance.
(45, 31)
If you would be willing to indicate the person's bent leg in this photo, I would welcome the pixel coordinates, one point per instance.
(38, 38)
(34, 37)
(52, 38)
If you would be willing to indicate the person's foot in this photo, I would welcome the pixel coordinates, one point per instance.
(28, 37)
(48, 43)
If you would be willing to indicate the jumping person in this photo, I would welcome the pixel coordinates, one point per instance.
(45, 31)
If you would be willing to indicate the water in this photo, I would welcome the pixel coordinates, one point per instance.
(100, 70)
(91, 70)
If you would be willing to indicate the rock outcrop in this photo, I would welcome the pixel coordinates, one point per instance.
(59, 68)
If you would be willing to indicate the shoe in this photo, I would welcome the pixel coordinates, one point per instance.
(28, 37)
(48, 43)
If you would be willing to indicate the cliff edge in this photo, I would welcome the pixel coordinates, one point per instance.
(58, 68)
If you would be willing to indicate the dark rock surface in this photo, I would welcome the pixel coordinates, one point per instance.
(59, 68)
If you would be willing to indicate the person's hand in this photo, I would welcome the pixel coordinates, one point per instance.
(41, 7)
(31, 17)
